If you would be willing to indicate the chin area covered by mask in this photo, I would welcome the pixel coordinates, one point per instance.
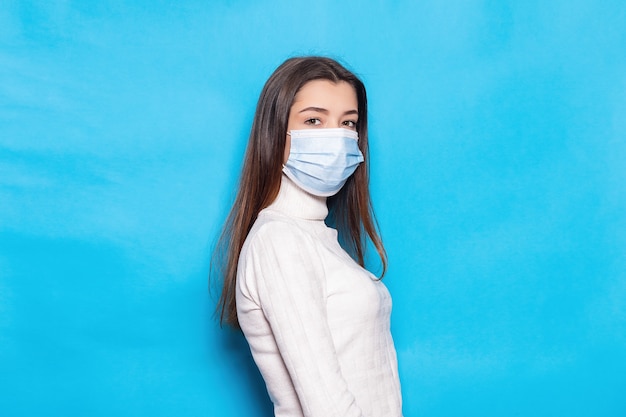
(321, 160)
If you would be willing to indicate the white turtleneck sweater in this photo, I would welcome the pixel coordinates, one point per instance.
(317, 323)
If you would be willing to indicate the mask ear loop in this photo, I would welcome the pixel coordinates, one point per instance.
(289, 133)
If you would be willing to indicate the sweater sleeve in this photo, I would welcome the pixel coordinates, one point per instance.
(282, 272)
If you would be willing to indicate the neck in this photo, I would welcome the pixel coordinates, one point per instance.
(294, 201)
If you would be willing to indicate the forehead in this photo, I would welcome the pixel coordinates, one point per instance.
(322, 93)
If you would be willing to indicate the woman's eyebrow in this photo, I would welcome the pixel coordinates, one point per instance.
(324, 111)
(317, 109)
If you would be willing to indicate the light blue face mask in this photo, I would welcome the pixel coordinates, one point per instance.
(321, 160)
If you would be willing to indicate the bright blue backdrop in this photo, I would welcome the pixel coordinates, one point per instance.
(498, 133)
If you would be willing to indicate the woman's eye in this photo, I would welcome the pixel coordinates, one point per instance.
(313, 121)
(351, 124)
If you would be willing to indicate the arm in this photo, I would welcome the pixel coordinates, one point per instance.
(283, 273)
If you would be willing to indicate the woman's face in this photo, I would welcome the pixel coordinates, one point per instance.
(322, 104)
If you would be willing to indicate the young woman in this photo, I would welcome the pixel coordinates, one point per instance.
(316, 321)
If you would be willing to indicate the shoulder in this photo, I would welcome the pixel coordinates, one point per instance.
(280, 251)
(280, 241)
(271, 230)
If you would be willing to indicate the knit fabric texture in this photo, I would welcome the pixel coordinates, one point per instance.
(317, 323)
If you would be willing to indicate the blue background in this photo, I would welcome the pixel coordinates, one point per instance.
(498, 139)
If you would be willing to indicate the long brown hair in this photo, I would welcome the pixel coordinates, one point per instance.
(350, 210)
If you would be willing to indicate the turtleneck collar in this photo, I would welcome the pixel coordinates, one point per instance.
(294, 201)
